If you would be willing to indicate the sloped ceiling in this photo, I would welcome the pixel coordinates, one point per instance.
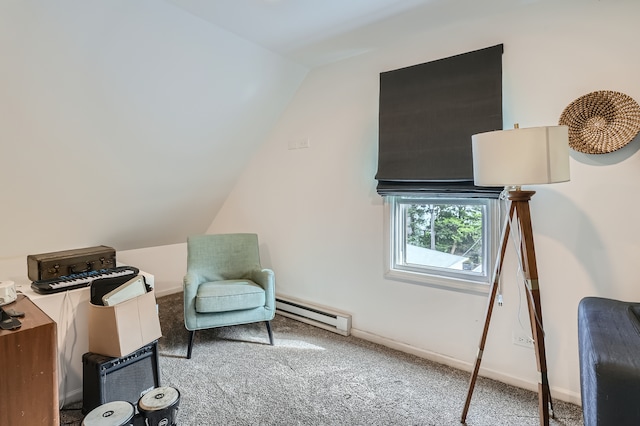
(125, 123)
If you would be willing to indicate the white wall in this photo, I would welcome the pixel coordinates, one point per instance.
(168, 263)
(320, 219)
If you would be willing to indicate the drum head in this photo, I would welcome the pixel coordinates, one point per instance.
(116, 413)
(158, 398)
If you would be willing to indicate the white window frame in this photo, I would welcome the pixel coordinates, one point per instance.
(437, 277)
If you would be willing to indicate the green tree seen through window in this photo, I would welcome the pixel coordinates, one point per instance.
(449, 228)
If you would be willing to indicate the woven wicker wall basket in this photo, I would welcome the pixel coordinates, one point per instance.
(601, 122)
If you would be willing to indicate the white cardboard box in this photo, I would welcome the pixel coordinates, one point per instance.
(124, 328)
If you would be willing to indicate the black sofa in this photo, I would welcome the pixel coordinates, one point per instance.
(609, 350)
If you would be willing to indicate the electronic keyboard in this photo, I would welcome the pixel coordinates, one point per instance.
(82, 279)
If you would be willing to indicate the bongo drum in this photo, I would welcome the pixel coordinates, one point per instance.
(116, 413)
(159, 406)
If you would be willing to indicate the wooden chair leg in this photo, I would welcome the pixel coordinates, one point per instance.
(192, 335)
(268, 323)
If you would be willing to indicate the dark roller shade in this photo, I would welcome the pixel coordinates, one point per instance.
(428, 113)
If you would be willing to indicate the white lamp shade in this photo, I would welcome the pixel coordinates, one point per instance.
(528, 156)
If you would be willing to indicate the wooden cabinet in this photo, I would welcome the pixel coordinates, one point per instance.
(28, 369)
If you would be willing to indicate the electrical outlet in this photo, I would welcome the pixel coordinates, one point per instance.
(522, 340)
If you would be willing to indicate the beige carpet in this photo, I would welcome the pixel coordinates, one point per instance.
(315, 377)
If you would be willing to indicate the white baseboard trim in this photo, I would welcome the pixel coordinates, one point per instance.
(70, 397)
(556, 393)
(167, 291)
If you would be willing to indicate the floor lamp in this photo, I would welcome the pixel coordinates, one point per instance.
(512, 158)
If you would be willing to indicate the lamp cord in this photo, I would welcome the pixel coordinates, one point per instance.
(517, 242)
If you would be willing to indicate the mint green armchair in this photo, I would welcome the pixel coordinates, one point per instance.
(225, 284)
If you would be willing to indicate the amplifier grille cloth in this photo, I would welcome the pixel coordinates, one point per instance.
(107, 379)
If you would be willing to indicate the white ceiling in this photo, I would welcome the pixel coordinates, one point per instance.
(316, 32)
(283, 26)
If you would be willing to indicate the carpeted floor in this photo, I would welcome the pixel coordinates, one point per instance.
(314, 377)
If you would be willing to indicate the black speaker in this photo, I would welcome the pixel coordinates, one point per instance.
(106, 379)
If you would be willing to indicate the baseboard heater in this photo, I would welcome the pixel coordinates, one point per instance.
(319, 316)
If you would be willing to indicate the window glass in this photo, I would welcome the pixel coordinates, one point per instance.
(442, 240)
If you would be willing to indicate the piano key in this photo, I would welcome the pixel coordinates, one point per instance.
(83, 279)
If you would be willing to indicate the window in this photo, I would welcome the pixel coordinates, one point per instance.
(442, 229)
(444, 241)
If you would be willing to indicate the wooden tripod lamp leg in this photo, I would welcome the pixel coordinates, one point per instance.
(492, 298)
(533, 301)
(520, 209)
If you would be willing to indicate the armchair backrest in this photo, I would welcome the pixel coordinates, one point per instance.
(223, 256)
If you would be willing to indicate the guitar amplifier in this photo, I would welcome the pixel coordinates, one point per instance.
(106, 379)
(47, 266)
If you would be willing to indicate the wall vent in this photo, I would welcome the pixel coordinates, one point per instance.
(319, 316)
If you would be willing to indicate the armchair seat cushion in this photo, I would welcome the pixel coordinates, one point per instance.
(229, 295)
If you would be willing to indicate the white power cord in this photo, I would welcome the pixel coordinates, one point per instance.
(517, 242)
